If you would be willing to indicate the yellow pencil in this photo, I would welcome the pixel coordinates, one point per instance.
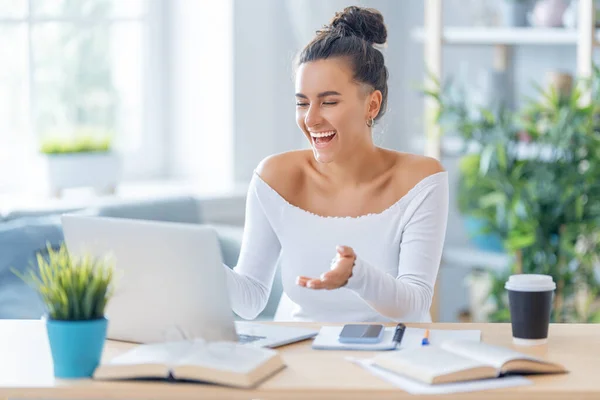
(425, 340)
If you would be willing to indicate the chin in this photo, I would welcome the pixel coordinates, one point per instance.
(323, 158)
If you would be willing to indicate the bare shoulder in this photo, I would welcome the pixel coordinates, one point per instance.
(284, 172)
(413, 168)
(420, 166)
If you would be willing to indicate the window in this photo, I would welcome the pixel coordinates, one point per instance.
(72, 66)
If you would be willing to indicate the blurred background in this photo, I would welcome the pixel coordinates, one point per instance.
(161, 109)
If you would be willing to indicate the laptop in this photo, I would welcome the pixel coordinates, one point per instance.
(170, 283)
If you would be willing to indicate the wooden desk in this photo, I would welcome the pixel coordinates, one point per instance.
(26, 371)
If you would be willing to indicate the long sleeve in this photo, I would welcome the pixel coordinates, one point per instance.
(409, 294)
(250, 282)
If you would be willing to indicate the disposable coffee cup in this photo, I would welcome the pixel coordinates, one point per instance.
(530, 302)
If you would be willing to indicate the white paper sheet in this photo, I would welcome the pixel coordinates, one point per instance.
(413, 336)
(415, 387)
(327, 339)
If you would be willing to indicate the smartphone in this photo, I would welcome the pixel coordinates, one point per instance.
(361, 333)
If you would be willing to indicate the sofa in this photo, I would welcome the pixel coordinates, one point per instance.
(23, 234)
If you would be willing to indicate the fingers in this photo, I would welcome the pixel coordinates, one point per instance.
(319, 284)
(329, 280)
(310, 283)
(302, 281)
(314, 283)
(345, 251)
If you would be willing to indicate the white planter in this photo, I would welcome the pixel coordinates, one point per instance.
(101, 171)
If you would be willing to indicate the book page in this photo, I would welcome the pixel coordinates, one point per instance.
(156, 353)
(227, 356)
(485, 353)
(426, 363)
(415, 387)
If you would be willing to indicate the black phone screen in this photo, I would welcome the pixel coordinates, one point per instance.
(361, 331)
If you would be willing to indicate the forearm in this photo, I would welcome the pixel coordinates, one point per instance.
(409, 294)
(247, 295)
(396, 298)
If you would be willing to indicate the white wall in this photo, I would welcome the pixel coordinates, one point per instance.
(256, 82)
(200, 102)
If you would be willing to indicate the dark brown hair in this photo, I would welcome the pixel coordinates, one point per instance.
(351, 35)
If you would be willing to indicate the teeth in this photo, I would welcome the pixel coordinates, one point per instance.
(322, 134)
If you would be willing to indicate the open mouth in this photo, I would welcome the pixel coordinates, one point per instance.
(322, 138)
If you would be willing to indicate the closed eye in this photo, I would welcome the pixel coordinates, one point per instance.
(326, 103)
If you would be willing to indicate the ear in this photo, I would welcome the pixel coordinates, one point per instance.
(374, 103)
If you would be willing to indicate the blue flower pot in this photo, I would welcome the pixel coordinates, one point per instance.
(483, 241)
(76, 346)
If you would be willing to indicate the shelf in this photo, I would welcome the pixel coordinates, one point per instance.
(504, 36)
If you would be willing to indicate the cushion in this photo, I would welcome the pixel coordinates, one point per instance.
(20, 240)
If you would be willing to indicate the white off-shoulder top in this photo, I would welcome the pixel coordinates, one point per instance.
(398, 256)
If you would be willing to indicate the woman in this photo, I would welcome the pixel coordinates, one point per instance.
(382, 214)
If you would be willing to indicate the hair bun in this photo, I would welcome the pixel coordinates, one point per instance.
(366, 23)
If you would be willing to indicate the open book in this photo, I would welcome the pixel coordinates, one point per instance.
(455, 361)
(225, 363)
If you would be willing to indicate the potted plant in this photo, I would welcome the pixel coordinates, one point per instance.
(533, 177)
(482, 128)
(85, 158)
(75, 292)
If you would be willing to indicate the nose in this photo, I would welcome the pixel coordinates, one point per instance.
(313, 117)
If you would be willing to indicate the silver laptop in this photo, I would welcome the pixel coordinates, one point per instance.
(170, 282)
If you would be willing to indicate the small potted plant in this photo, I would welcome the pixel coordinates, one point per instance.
(75, 292)
(84, 158)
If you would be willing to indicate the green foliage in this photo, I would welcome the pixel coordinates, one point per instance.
(72, 289)
(533, 177)
(83, 141)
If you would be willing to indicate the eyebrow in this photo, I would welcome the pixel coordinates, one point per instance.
(322, 94)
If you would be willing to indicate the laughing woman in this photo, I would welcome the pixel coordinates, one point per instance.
(358, 230)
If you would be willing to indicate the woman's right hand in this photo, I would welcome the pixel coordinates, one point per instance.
(337, 276)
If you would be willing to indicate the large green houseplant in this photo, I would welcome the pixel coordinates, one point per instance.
(75, 292)
(533, 177)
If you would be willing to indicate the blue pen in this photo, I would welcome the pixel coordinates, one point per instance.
(425, 340)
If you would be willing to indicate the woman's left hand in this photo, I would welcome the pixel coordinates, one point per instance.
(337, 276)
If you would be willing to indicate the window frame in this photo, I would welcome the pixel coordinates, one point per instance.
(148, 161)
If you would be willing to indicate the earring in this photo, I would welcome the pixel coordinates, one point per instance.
(370, 122)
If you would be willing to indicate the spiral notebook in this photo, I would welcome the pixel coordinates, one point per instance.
(327, 339)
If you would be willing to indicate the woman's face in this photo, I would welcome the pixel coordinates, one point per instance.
(332, 109)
